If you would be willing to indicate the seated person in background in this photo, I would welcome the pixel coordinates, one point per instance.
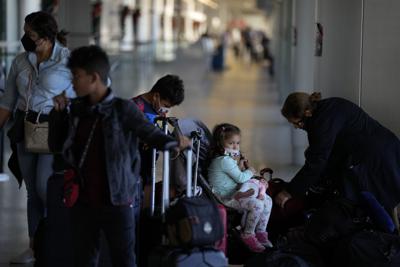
(166, 93)
(226, 173)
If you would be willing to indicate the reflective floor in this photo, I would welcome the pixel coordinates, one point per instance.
(243, 94)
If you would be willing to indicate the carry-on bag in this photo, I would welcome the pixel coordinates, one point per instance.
(186, 251)
(193, 220)
(223, 242)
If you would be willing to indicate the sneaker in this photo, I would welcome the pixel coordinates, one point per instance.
(262, 237)
(252, 243)
(24, 258)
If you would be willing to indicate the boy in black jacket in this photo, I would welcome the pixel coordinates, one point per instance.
(101, 143)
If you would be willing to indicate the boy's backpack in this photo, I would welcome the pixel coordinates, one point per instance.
(334, 220)
(368, 248)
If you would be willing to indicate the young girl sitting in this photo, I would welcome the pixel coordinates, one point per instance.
(229, 171)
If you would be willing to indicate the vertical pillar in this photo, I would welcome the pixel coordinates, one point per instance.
(168, 17)
(188, 26)
(12, 21)
(75, 17)
(144, 21)
(110, 32)
(127, 35)
(29, 6)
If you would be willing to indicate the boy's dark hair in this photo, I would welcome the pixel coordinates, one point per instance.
(45, 26)
(91, 59)
(220, 133)
(170, 87)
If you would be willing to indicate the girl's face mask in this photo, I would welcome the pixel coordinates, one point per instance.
(232, 146)
(232, 152)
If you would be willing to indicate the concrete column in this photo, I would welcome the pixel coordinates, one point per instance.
(144, 22)
(75, 17)
(168, 16)
(127, 38)
(188, 26)
(13, 22)
(28, 6)
(380, 93)
(156, 11)
(110, 31)
(338, 69)
(304, 26)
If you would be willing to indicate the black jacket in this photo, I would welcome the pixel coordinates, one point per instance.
(123, 123)
(342, 136)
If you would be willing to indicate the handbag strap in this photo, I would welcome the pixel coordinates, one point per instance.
(85, 150)
(28, 99)
(28, 94)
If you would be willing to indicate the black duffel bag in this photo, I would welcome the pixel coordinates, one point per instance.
(334, 220)
(367, 248)
(194, 221)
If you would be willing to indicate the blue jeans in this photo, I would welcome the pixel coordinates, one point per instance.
(36, 170)
(118, 225)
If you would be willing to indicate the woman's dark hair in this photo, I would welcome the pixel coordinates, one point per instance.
(170, 87)
(297, 103)
(220, 133)
(45, 26)
(92, 59)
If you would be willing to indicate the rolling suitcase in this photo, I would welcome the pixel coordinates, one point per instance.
(185, 254)
(53, 241)
(222, 243)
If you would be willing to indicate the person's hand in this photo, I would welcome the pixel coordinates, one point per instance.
(261, 197)
(246, 164)
(264, 182)
(242, 164)
(60, 101)
(237, 159)
(281, 198)
(239, 195)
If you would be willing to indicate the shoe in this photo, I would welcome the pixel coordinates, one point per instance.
(24, 258)
(262, 237)
(252, 243)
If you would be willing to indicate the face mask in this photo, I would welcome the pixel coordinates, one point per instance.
(163, 110)
(28, 44)
(232, 152)
(159, 109)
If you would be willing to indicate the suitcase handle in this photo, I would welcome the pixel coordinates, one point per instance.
(190, 189)
(267, 170)
(196, 135)
(164, 121)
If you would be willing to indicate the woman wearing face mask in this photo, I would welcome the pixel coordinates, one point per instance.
(35, 78)
(345, 145)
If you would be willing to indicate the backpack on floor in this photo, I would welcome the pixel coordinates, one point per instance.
(291, 250)
(276, 259)
(368, 248)
(334, 220)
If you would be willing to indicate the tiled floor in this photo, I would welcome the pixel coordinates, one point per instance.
(243, 95)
